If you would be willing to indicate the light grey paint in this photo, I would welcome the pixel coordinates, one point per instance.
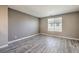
(21, 25)
(70, 26)
(3, 25)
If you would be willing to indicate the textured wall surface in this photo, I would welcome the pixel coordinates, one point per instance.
(3, 25)
(70, 25)
(21, 25)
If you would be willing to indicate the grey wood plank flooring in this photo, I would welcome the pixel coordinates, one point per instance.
(43, 44)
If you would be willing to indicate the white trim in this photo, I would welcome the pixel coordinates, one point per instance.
(3, 46)
(35, 35)
(60, 36)
(17, 40)
(21, 39)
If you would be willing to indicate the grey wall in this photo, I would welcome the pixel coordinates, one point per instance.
(70, 25)
(21, 25)
(3, 25)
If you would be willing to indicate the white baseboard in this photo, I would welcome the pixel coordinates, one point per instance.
(60, 36)
(3, 46)
(21, 39)
(35, 35)
(17, 40)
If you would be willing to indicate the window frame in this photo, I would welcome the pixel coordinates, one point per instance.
(54, 24)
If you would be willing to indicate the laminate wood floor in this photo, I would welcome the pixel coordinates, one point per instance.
(43, 44)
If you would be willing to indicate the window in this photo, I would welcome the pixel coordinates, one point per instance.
(55, 24)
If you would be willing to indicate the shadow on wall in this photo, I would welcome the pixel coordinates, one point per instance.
(3, 39)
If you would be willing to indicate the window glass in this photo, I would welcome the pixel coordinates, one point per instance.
(55, 24)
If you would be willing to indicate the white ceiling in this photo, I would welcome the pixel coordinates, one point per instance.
(45, 10)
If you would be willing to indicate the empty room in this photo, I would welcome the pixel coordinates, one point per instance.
(39, 28)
